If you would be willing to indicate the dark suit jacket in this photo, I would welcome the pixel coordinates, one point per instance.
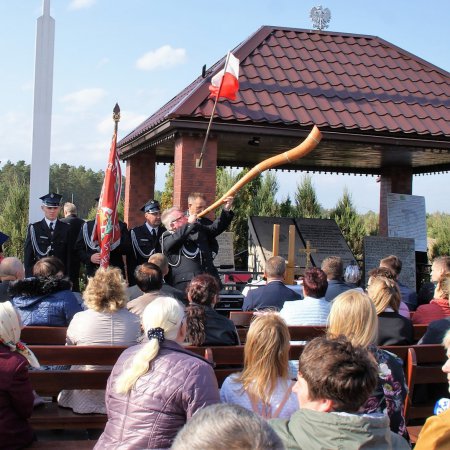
(59, 245)
(272, 295)
(394, 329)
(75, 224)
(436, 331)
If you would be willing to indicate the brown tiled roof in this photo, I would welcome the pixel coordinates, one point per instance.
(337, 81)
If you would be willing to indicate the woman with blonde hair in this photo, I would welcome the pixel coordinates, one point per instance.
(16, 393)
(439, 306)
(155, 387)
(393, 328)
(263, 386)
(105, 322)
(354, 316)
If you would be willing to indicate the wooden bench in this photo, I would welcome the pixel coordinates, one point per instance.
(424, 366)
(48, 383)
(419, 330)
(241, 319)
(32, 335)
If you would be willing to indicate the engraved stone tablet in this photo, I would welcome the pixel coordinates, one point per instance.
(407, 218)
(378, 247)
(326, 238)
(261, 241)
(225, 258)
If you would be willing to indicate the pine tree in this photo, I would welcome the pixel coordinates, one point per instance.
(350, 223)
(14, 216)
(306, 203)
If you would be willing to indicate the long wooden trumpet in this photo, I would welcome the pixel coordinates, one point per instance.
(288, 156)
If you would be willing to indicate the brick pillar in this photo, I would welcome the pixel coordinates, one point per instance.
(187, 178)
(139, 185)
(393, 180)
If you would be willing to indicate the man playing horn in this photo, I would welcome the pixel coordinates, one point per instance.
(187, 243)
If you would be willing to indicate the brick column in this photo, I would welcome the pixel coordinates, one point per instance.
(187, 178)
(393, 180)
(139, 185)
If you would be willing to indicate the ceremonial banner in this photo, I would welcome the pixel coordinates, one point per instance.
(225, 84)
(107, 230)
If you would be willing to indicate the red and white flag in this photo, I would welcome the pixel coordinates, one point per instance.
(225, 84)
(106, 229)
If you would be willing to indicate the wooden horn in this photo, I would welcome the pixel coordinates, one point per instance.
(288, 156)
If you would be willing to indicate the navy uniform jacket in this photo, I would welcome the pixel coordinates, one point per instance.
(144, 244)
(189, 251)
(84, 249)
(272, 295)
(46, 245)
(75, 226)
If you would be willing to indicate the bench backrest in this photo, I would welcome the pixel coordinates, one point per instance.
(241, 318)
(424, 366)
(32, 335)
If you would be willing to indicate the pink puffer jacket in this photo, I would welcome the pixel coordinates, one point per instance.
(149, 417)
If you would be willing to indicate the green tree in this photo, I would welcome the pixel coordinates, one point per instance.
(286, 209)
(438, 226)
(14, 215)
(166, 199)
(371, 223)
(306, 203)
(350, 223)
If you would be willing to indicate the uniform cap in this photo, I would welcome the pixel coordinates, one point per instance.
(51, 199)
(152, 206)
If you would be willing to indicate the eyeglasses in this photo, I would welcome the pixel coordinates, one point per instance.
(178, 219)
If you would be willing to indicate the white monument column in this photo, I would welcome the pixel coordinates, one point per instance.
(42, 111)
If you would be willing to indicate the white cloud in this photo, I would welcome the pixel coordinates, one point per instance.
(102, 62)
(80, 4)
(128, 122)
(162, 58)
(83, 99)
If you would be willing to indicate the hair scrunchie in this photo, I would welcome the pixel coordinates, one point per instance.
(156, 333)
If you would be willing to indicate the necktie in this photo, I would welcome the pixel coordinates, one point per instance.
(52, 227)
(153, 233)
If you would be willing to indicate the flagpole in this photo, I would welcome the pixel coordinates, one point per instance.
(198, 164)
(116, 117)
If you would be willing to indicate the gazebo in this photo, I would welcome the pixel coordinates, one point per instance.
(381, 110)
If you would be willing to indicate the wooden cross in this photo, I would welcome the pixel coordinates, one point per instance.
(307, 251)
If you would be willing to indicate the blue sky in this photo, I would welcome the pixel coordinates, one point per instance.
(140, 53)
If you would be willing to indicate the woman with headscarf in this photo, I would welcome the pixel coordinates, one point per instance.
(16, 393)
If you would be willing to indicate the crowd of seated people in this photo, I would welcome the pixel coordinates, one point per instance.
(157, 386)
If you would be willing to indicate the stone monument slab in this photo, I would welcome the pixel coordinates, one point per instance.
(407, 218)
(326, 238)
(224, 259)
(378, 247)
(261, 241)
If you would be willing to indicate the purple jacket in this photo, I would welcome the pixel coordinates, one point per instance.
(16, 400)
(177, 384)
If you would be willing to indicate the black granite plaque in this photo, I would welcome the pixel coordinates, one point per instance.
(378, 247)
(261, 241)
(325, 238)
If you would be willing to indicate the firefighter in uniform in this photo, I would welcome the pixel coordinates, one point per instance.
(48, 237)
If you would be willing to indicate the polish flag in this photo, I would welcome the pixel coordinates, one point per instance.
(226, 86)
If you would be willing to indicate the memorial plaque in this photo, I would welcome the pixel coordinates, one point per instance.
(224, 260)
(378, 247)
(260, 232)
(326, 238)
(407, 218)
